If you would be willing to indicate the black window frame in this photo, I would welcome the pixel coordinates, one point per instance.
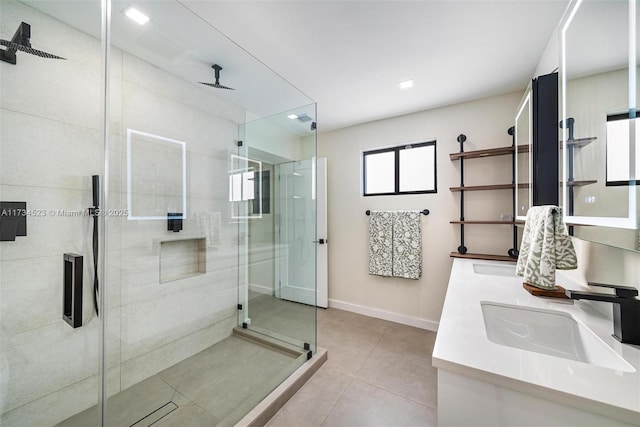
(396, 150)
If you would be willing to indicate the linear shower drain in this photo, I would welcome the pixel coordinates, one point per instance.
(156, 415)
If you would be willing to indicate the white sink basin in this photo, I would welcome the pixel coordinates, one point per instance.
(495, 270)
(550, 332)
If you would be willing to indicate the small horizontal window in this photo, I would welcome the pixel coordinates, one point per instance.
(405, 169)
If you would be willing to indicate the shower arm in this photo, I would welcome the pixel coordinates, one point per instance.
(217, 69)
(22, 37)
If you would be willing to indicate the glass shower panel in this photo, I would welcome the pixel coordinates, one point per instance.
(180, 259)
(281, 270)
(174, 255)
(51, 145)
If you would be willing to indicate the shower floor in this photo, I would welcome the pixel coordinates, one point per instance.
(287, 321)
(214, 387)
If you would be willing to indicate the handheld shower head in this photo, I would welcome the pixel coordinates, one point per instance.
(21, 41)
(217, 84)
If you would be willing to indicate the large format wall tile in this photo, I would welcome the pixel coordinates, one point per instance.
(163, 357)
(49, 231)
(136, 71)
(59, 90)
(152, 323)
(44, 360)
(37, 282)
(56, 407)
(40, 152)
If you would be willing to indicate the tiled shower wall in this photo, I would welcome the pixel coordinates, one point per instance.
(50, 145)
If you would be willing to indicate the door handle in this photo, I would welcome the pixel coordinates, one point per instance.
(320, 241)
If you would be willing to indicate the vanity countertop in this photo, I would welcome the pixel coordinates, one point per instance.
(462, 346)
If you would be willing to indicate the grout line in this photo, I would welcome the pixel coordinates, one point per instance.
(352, 377)
(396, 394)
(49, 119)
(175, 389)
(338, 399)
(371, 351)
(388, 331)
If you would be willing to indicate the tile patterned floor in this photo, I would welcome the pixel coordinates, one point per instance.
(379, 373)
(214, 387)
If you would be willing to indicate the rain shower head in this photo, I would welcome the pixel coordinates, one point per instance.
(21, 42)
(217, 84)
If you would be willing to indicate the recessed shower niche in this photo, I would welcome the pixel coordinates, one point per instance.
(180, 259)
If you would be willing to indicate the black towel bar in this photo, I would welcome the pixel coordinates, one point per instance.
(423, 212)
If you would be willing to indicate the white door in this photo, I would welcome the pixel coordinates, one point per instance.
(301, 274)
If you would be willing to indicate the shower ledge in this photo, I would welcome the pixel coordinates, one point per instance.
(271, 404)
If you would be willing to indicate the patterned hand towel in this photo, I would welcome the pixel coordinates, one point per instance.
(545, 247)
(407, 245)
(380, 246)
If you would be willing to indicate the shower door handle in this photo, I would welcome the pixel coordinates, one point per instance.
(320, 241)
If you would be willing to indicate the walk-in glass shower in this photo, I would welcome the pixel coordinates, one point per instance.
(157, 237)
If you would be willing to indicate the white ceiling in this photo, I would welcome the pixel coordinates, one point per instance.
(348, 56)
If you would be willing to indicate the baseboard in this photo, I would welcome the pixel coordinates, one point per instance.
(260, 289)
(298, 294)
(416, 322)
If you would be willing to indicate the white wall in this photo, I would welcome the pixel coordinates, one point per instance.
(50, 145)
(550, 57)
(485, 123)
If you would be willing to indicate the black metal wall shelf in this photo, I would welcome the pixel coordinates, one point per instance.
(489, 152)
(482, 187)
(499, 151)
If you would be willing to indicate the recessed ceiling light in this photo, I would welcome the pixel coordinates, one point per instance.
(292, 116)
(136, 15)
(405, 84)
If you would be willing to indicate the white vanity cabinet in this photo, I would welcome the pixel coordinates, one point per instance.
(481, 382)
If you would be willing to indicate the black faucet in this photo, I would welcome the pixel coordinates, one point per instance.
(626, 310)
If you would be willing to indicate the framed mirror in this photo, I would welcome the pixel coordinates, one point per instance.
(598, 127)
